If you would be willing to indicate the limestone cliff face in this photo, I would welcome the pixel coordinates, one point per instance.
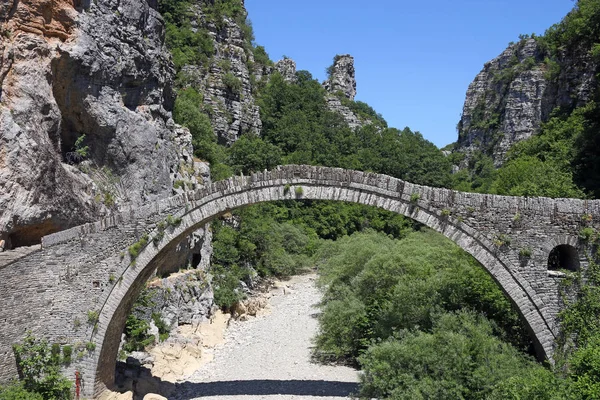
(516, 92)
(341, 85)
(342, 76)
(95, 71)
(287, 69)
(225, 82)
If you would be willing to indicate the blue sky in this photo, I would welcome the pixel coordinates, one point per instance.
(414, 60)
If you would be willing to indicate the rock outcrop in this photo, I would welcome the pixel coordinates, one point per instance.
(182, 298)
(341, 88)
(287, 69)
(342, 76)
(85, 122)
(516, 92)
(335, 104)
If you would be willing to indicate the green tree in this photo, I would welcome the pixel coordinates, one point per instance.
(528, 176)
(250, 154)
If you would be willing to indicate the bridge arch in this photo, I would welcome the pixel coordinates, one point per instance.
(421, 203)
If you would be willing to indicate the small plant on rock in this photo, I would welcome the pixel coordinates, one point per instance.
(414, 197)
(586, 233)
(501, 240)
(136, 248)
(93, 316)
(525, 252)
(173, 221)
(67, 352)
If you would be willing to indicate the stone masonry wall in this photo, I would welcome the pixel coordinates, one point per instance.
(87, 270)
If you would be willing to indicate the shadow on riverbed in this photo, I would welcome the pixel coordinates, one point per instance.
(266, 387)
(141, 382)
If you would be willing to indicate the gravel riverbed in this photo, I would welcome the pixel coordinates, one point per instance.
(269, 357)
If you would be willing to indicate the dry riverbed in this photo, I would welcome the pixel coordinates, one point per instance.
(262, 357)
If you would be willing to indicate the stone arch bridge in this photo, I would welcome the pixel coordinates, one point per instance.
(79, 286)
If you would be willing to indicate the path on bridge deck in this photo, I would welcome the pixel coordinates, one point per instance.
(268, 357)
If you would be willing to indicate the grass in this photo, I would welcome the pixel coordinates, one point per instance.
(136, 248)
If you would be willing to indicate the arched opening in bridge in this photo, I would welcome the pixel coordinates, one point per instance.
(202, 211)
(366, 224)
(563, 257)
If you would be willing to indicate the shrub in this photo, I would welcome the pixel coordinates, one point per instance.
(92, 316)
(587, 233)
(414, 197)
(136, 248)
(232, 83)
(136, 334)
(299, 191)
(173, 221)
(67, 354)
(586, 218)
(163, 328)
(525, 252)
(81, 150)
(39, 369)
(459, 359)
(17, 391)
(501, 240)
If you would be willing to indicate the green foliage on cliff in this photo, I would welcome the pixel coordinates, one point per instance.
(581, 27)
(188, 46)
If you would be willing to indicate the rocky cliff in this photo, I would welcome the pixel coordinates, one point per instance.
(517, 91)
(227, 78)
(341, 76)
(85, 122)
(341, 86)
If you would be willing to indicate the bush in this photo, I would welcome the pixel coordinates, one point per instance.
(39, 369)
(587, 233)
(402, 285)
(232, 83)
(459, 359)
(93, 316)
(136, 248)
(17, 391)
(136, 334)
